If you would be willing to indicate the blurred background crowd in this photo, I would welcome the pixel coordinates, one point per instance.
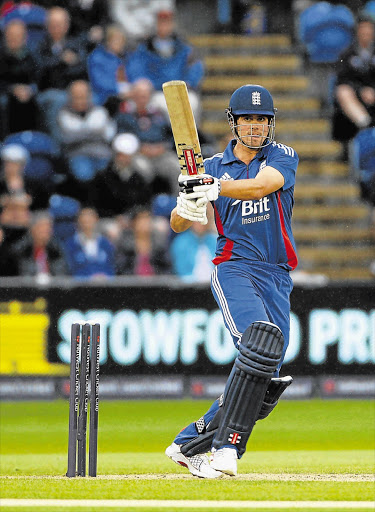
(88, 168)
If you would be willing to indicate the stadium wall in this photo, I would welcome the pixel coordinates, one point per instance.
(161, 338)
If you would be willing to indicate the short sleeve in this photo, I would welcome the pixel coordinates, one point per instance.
(285, 160)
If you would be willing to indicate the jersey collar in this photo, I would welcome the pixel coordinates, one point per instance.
(228, 156)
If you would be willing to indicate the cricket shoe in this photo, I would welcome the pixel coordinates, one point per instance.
(225, 460)
(198, 465)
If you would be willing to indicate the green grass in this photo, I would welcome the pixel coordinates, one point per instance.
(312, 437)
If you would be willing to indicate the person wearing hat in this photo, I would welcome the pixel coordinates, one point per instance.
(165, 56)
(122, 184)
(13, 180)
(148, 123)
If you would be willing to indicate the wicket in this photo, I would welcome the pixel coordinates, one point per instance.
(83, 336)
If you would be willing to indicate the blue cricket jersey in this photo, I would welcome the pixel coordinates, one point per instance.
(257, 230)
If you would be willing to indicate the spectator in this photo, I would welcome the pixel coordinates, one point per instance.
(13, 180)
(38, 254)
(137, 17)
(90, 255)
(88, 19)
(19, 110)
(192, 252)
(355, 86)
(8, 266)
(85, 131)
(15, 216)
(150, 126)
(108, 69)
(122, 185)
(141, 249)
(62, 59)
(163, 57)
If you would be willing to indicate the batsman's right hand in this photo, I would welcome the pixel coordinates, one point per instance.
(188, 208)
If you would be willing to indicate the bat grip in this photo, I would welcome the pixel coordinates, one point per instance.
(189, 184)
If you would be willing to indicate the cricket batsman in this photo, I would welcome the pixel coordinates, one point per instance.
(250, 187)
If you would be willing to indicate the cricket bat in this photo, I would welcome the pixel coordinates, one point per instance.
(183, 127)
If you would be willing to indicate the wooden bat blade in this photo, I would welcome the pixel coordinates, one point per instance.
(183, 127)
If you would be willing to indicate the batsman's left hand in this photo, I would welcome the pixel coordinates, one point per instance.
(188, 208)
(205, 183)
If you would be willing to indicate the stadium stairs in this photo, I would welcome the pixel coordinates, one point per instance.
(331, 223)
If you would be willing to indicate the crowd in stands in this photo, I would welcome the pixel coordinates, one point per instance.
(353, 120)
(341, 39)
(88, 167)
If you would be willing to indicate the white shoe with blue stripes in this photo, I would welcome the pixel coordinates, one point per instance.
(198, 465)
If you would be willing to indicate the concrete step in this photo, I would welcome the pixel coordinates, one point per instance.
(330, 214)
(287, 105)
(322, 169)
(267, 64)
(223, 43)
(313, 150)
(336, 256)
(326, 191)
(348, 273)
(276, 83)
(332, 235)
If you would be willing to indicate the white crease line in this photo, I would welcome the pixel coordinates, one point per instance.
(251, 477)
(276, 505)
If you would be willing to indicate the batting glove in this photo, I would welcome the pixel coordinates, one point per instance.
(188, 208)
(201, 183)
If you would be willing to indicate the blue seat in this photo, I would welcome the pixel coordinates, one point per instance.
(326, 30)
(369, 9)
(64, 211)
(362, 161)
(43, 152)
(163, 204)
(34, 18)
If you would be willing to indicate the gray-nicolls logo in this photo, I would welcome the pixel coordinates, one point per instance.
(255, 98)
(234, 438)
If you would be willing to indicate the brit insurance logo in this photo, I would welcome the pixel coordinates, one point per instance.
(254, 211)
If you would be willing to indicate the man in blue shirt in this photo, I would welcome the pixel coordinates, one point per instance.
(251, 188)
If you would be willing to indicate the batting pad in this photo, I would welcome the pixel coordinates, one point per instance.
(206, 433)
(259, 355)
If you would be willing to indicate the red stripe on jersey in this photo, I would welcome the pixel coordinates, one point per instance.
(290, 252)
(219, 224)
(226, 253)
